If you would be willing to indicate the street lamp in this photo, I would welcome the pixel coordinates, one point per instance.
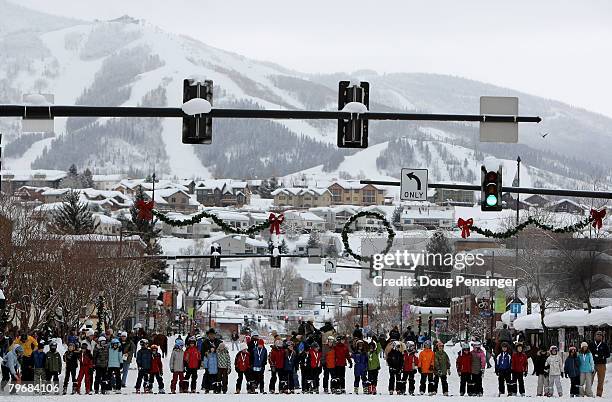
(467, 324)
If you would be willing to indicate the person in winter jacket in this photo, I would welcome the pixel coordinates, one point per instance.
(373, 366)
(242, 364)
(395, 361)
(479, 362)
(313, 367)
(29, 345)
(329, 363)
(177, 365)
(587, 368)
(520, 368)
(40, 376)
(503, 369)
(426, 368)
(540, 369)
(276, 358)
(53, 364)
(100, 357)
(85, 368)
(211, 365)
(260, 359)
(360, 367)
(442, 368)
(115, 358)
(225, 367)
(128, 349)
(71, 359)
(156, 373)
(464, 369)
(410, 364)
(290, 364)
(571, 368)
(342, 356)
(143, 362)
(192, 363)
(555, 371)
(11, 367)
(601, 353)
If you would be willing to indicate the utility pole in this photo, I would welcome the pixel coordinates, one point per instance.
(518, 184)
(401, 308)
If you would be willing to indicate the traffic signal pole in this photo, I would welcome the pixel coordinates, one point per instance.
(519, 190)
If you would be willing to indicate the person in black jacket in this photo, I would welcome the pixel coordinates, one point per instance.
(144, 357)
(394, 334)
(395, 361)
(357, 332)
(71, 359)
(601, 353)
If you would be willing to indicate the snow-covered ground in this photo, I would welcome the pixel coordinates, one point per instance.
(489, 384)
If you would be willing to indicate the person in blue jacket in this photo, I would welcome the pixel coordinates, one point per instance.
(211, 365)
(39, 357)
(144, 358)
(360, 366)
(260, 358)
(289, 368)
(503, 369)
(11, 367)
(115, 359)
(587, 370)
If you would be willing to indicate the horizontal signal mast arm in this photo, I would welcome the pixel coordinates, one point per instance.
(49, 112)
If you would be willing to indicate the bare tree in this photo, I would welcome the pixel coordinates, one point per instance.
(196, 276)
(278, 285)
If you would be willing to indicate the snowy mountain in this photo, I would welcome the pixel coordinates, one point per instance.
(129, 62)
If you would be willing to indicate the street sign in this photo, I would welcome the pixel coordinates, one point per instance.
(413, 185)
(486, 314)
(330, 266)
(494, 131)
(515, 308)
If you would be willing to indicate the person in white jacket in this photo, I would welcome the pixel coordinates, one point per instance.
(554, 363)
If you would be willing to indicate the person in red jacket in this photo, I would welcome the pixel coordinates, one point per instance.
(193, 360)
(464, 367)
(242, 364)
(85, 369)
(342, 356)
(276, 358)
(313, 368)
(409, 368)
(157, 371)
(519, 368)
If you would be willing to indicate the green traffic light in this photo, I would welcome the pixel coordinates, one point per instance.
(491, 200)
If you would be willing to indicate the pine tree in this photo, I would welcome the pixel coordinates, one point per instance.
(149, 234)
(73, 217)
(283, 248)
(331, 250)
(438, 251)
(87, 179)
(72, 179)
(314, 240)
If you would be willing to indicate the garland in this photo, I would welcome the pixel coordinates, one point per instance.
(251, 230)
(346, 229)
(594, 219)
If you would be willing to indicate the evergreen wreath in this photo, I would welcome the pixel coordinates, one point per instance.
(347, 228)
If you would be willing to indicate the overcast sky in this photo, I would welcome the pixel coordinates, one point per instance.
(559, 49)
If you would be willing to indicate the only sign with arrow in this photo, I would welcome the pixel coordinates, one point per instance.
(414, 185)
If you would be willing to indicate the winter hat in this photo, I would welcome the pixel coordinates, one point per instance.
(465, 345)
(115, 341)
(553, 347)
(254, 333)
(243, 346)
(123, 334)
(90, 332)
(584, 345)
(102, 339)
(179, 343)
(427, 344)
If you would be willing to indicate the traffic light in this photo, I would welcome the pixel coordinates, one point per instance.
(197, 129)
(246, 319)
(275, 261)
(491, 189)
(215, 256)
(372, 272)
(353, 132)
(360, 304)
(323, 304)
(286, 319)
(260, 299)
(300, 302)
(236, 299)
(258, 318)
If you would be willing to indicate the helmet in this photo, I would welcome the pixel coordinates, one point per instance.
(179, 343)
(102, 339)
(396, 345)
(465, 346)
(243, 346)
(84, 345)
(427, 344)
(115, 341)
(53, 344)
(254, 333)
(314, 345)
(553, 347)
(477, 344)
(144, 341)
(19, 349)
(331, 339)
(123, 334)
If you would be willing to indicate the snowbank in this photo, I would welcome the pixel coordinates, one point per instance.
(568, 318)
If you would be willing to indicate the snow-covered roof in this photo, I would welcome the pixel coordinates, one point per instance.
(301, 191)
(303, 215)
(108, 177)
(231, 216)
(354, 185)
(32, 175)
(106, 220)
(315, 273)
(183, 217)
(567, 318)
(161, 195)
(224, 185)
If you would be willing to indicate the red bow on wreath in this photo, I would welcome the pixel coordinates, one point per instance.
(275, 222)
(145, 210)
(465, 226)
(597, 217)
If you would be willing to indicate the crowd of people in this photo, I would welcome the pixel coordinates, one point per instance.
(310, 359)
